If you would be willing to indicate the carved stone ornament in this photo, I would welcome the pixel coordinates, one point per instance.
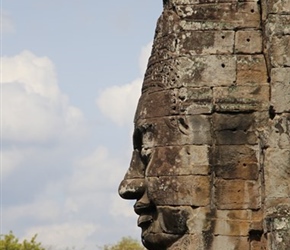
(210, 168)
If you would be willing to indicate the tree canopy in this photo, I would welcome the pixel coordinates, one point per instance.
(126, 243)
(10, 242)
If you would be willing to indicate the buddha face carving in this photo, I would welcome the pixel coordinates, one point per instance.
(196, 169)
(162, 179)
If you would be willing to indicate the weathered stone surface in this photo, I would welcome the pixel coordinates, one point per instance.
(277, 24)
(237, 194)
(243, 98)
(136, 168)
(246, 171)
(235, 222)
(195, 71)
(178, 101)
(198, 221)
(277, 167)
(179, 160)
(173, 220)
(189, 190)
(248, 42)
(280, 91)
(206, 42)
(278, 226)
(280, 51)
(230, 242)
(233, 154)
(173, 131)
(211, 163)
(279, 7)
(221, 16)
(279, 132)
(251, 69)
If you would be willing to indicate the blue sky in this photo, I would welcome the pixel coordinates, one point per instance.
(71, 76)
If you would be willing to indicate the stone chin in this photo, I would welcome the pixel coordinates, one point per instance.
(158, 241)
(166, 227)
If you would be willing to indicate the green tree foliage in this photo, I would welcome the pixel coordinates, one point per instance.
(10, 242)
(126, 243)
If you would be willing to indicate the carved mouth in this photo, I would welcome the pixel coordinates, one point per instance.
(141, 208)
(146, 212)
(144, 221)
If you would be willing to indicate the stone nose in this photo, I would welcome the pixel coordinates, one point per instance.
(132, 189)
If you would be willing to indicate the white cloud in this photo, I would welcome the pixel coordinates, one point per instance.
(78, 207)
(6, 25)
(33, 108)
(120, 207)
(119, 102)
(143, 58)
(11, 158)
(86, 174)
(41, 210)
(63, 236)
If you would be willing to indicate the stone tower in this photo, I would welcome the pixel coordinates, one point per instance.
(211, 163)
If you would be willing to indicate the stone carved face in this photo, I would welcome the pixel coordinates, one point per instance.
(195, 170)
(209, 155)
(167, 176)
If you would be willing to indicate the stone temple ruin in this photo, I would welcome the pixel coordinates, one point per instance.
(211, 163)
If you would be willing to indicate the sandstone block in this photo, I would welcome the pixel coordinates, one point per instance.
(227, 16)
(211, 70)
(190, 242)
(273, 204)
(278, 224)
(241, 98)
(193, 71)
(237, 222)
(178, 130)
(280, 51)
(277, 173)
(280, 91)
(233, 154)
(206, 42)
(179, 190)
(278, 6)
(245, 171)
(200, 1)
(248, 41)
(234, 14)
(230, 243)
(234, 129)
(237, 194)
(278, 24)
(251, 69)
(232, 227)
(195, 101)
(177, 101)
(198, 221)
(179, 160)
(257, 245)
(279, 128)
